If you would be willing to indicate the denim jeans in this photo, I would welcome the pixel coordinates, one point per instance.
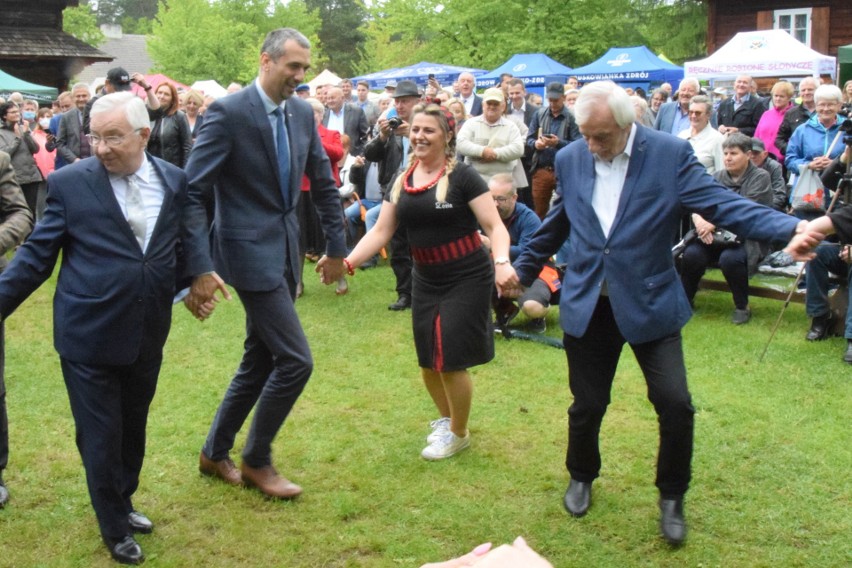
(816, 279)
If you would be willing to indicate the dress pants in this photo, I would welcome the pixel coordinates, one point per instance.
(110, 408)
(275, 368)
(543, 185)
(592, 361)
(4, 420)
(733, 262)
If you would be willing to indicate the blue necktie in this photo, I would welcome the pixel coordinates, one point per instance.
(283, 155)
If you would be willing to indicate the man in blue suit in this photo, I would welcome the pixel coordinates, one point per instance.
(115, 218)
(251, 153)
(673, 116)
(621, 195)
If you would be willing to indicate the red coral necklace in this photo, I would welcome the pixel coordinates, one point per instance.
(422, 188)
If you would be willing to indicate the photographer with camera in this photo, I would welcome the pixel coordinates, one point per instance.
(738, 260)
(390, 149)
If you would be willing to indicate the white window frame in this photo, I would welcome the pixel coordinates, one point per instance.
(808, 12)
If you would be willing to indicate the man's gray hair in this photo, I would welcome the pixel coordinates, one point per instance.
(80, 87)
(828, 93)
(502, 178)
(703, 100)
(134, 108)
(809, 80)
(604, 93)
(690, 81)
(275, 40)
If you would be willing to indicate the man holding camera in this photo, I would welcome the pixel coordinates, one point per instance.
(390, 150)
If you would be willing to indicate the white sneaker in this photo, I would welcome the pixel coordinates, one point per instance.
(447, 445)
(439, 427)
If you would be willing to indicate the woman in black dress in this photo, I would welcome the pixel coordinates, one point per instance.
(442, 203)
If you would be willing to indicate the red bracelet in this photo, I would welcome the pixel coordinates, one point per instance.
(349, 268)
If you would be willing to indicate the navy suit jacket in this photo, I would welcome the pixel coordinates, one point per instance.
(355, 125)
(664, 180)
(476, 107)
(255, 234)
(112, 303)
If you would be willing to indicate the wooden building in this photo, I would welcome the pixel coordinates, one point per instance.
(33, 46)
(823, 25)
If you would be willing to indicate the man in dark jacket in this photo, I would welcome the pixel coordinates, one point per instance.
(742, 112)
(798, 114)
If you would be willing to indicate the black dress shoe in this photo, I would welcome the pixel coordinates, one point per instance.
(672, 523)
(126, 550)
(404, 302)
(819, 327)
(139, 523)
(4, 495)
(578, 497)
(847, 357)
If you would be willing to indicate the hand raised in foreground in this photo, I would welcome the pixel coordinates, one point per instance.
(505, 556)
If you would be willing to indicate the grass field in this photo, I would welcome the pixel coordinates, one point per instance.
(771, 483)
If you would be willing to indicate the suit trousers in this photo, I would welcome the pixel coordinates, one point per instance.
(592, 361)
(543, 185)
(4, 420)
(732, 260)
(275, 368)
(110, 407)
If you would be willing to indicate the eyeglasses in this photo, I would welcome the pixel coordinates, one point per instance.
(503, 199)
(110, 141)
(696, 112)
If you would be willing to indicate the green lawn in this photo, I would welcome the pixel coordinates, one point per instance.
(771, 484)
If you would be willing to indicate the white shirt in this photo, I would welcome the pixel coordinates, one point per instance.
(609, 182)
(152, 191)
(468, 103)
(335, 120)
(518, 112)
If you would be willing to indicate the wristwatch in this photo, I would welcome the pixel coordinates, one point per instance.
(501, 260)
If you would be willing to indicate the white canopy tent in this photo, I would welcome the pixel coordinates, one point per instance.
(210, 88)
(762, 53)
(324, 78)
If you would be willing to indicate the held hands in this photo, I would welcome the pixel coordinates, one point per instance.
(330, 269)
(508, 284)
(202, 299)
(801, 246)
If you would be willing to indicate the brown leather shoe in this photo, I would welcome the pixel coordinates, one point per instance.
(224, 469)
(267, 480)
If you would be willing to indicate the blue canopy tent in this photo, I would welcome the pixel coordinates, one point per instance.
(630, 67)
(535, 69)
(10, 84)
(419, 73)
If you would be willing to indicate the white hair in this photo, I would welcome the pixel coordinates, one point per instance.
(828, 93)
(604, 93)
(134, 108)
(690, 81)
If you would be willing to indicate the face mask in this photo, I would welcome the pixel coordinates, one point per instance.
(44, 122)
(29, 115)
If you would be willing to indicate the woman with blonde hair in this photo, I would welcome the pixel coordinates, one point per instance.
(770, 122)
(193, 101)
(442, 203)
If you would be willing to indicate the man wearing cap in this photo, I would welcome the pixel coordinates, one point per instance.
(472, 101)
(551, 129)
(117, 80)
(491, 142)
(303, 91)
(761, 159)
(390, 150)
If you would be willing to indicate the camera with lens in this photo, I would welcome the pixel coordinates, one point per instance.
(394, 122)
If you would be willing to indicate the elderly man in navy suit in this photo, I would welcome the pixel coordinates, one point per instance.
(115, 218)
(621, 194)
(251, 153)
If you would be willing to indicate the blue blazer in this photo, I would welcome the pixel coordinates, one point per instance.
(476, 107)
(664, 181)
(112, 303)
(255, 235)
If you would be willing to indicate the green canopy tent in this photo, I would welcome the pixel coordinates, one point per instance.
(844, 60)
(10, 84)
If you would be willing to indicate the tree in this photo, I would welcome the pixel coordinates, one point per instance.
(341, 33)
(81, 22)
(193, 40)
